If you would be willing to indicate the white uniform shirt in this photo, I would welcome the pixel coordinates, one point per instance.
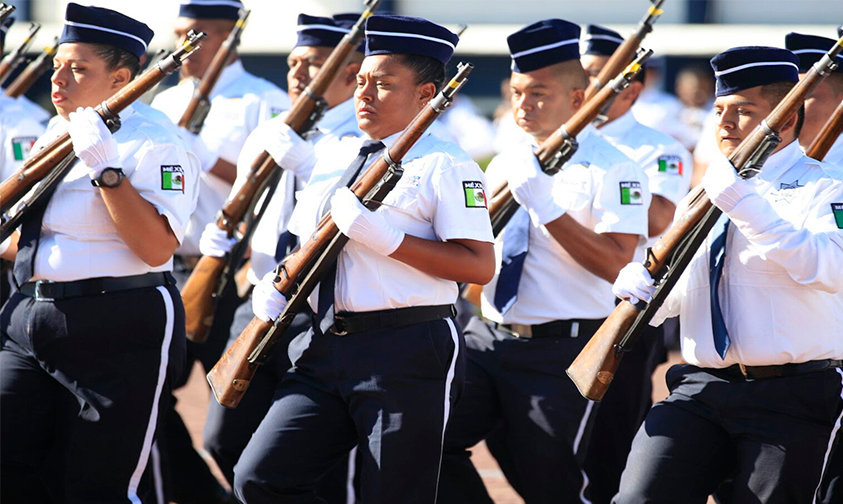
(18, 133)
(781, 294)
(338, 122)
(78, 237)
(430, 202)
(835, 154)
(666, 162)
(553, 285)
(239, 102)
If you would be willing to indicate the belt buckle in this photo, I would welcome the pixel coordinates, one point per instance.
(338, 328)
(39, 296)
(521, 330)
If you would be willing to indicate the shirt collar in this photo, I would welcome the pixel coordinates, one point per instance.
(336, 116)
(619, 126)
(778, 163)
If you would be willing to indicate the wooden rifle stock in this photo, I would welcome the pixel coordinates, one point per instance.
(16, 57)
(198, 293)
(197, 110)
(555, 152)
(42, 163)
(32, 72)
(827, 136)
(626, 51)
(231, 376)
(595, 367)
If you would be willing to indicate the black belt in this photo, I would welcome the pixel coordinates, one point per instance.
(349, 323)
(556, 329)
(742, 372)
(45, 290)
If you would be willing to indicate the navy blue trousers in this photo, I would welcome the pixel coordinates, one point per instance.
(390, 392)
(770, 438)
(84, 384)
(519, 386)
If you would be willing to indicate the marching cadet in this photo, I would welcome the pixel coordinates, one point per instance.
(95, 334)
(668, 167)
(825, 98)
(558, 255)
(818, 108)
(759, 400)
(25, 108)
(227, 431)
(382, 373)
(239, 102)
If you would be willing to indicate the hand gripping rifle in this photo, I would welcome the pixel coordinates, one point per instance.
(53, 161)
(33, 71)
(6, 11)
(211, 274)
(827, 136)
(594, 368)
(300, 272)
(626, 51)
(197, 110)
(557, 150)
(16, 57)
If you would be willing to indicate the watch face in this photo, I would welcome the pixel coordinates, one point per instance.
(110, 178)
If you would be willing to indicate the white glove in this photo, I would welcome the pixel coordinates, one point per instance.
(93, 143)
(533, 189)
(267, 302)
(287, 148)
(723, 186)
(207, 156)
(634, 283)
(215, 242)
(362, 225)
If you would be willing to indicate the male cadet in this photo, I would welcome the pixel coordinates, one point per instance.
(759, 400)
(566, 244)
(227, 431)
(826, 97)
(239, 102)
(668, 167)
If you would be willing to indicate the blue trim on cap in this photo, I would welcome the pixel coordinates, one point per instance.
(543, 44)
(601, 41)
(810, 49)
(742, 68)
(96, 25)
(391, 34)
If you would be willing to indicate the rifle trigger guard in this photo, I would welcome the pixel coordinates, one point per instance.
(756, 160)
(648, 254)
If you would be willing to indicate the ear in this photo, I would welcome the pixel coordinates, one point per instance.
(120, 77)
(426, 93)
(790, 124)
(351, 69)
(631, 93)
(577, 98)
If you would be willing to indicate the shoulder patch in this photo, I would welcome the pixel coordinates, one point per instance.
(837, 210)
(172, 178)
(475, 196)
(22, 147)
(631, 193)
(275, 112)
(671, 165)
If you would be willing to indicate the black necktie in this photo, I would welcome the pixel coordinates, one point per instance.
(325, 306)
(30, 235)
(717, 258)
(516, 238)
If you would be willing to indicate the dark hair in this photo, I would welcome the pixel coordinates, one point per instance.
(427, 69)
(775, 92)
(115, 58)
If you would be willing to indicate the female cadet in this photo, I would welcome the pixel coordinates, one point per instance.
(383, 372)
(97, 328)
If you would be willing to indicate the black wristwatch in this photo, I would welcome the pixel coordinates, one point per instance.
(110, 177)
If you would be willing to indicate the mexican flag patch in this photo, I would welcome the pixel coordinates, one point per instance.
(22, 146)
(671, 165)
(631, 193)
(837, 210)
(475, 196)
(172, 178)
